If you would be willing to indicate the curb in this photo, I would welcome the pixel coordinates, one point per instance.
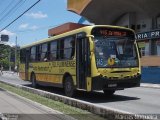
(107, 112)
(149, 85)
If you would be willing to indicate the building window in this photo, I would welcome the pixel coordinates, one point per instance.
(144, 26)
(138, 27)
(133, 27)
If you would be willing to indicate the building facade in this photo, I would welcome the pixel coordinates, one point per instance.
(141, 15)
(147, 31)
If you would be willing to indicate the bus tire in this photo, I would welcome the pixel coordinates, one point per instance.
(69, 87)
(33, 80)
(109, 92)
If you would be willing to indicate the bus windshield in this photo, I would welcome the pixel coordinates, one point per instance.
(115, 51)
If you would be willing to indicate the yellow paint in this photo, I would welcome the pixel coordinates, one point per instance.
(89, 84)
(74, 80)
(130, 72)
(50, 71)
(48, 78)
(94, 71)
(22, 75)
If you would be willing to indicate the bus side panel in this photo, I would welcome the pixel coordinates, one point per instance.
(53, 72)
(22, 71)
(45, 72)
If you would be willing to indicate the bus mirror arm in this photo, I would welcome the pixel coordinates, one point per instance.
(92, 45)
(92, 36)
(139, 50)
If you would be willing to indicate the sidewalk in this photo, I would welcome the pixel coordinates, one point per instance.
(150, 85)
(17, 107)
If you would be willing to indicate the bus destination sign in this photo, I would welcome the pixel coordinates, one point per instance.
(111, 32)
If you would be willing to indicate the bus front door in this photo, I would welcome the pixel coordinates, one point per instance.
(82, 64)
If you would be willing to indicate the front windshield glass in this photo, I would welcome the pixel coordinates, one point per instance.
(115, 51)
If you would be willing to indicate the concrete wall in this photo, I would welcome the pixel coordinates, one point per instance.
(150, 61)
(158, 22)
(145, 24)
(124, 20)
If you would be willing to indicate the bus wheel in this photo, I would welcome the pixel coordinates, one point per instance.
(33, 79)
(69, 88)
(109, 92)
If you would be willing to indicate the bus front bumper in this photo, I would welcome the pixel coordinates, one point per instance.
(101, 83)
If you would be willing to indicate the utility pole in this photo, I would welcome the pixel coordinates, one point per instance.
(16, 52)
(9, 58)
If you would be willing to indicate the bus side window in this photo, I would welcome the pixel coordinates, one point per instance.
(44, 55)
(38, 52)
(33, 54)
(61, 48)
(53, 50)
(72, 48)
(69, 48)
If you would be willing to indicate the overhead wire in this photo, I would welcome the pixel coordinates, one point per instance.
(20, 15)
(1, 13)
(11, 11)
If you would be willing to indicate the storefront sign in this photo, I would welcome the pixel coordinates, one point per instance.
(148, 35)
(4, 38)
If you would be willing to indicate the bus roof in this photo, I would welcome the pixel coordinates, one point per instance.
(86, 29)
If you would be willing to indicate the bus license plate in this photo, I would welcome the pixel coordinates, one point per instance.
(112, 85)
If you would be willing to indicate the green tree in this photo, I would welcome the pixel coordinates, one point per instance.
(7, 52)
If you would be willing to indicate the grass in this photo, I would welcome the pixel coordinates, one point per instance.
(59, 106)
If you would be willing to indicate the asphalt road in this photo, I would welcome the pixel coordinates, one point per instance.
(138, 100)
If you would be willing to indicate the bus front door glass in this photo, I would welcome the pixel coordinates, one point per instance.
(82, 63)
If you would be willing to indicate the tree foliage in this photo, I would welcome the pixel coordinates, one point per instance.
(7, 56)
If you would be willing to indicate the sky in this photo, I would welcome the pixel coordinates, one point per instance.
(34, 24)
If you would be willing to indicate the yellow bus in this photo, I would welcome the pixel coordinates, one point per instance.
(97, 57)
